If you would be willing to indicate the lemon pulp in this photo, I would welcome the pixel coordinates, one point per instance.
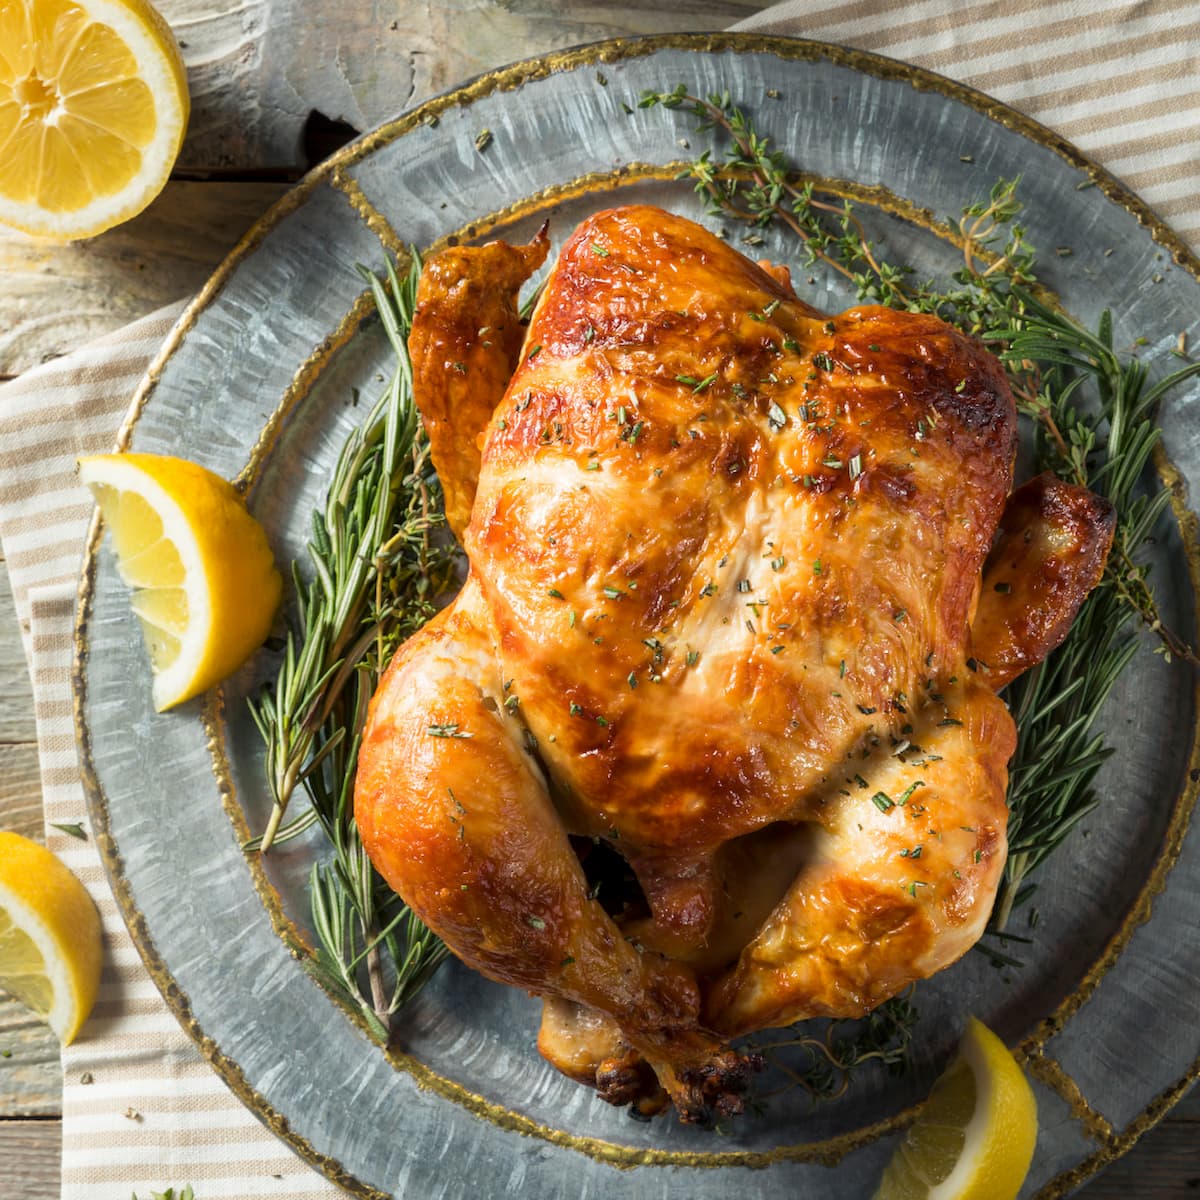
(201, 575)
(93, 107)
(974, 1137)
(50, 941)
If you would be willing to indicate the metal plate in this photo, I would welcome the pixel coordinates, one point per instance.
(1106, 1009)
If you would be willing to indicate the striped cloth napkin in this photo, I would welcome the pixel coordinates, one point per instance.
(141, 1110)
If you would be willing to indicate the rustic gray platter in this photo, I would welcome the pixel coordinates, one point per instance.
(271, 355)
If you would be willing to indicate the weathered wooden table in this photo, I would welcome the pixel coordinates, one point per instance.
(275, 86)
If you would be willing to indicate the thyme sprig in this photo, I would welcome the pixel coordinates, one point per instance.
(824, 1064)
(1092, 412)
(377, 568)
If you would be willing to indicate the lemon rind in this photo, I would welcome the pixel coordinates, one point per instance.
(172, 684)
(66, 1016)
(161, 67)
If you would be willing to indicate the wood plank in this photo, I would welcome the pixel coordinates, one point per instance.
(1164, 1165)
(56, 297)
(31, 1077)
(29, 1160)
(256, 72)
(20, 788)
(1188, 1109)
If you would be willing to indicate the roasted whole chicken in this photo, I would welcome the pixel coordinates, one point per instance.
(709, 742)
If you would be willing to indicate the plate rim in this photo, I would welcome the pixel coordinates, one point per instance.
(331, 171)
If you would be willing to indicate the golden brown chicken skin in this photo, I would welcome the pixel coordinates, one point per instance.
(725, 557)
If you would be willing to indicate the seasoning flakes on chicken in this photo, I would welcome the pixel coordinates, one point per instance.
(744, 579)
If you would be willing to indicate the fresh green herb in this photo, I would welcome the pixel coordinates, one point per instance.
(375, 571)
(697, 385)
(74, 830)
(447, 731)
(824, 1064)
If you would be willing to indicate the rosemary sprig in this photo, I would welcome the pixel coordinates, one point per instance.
(344, 554)
(1106, 449)
(377, 568)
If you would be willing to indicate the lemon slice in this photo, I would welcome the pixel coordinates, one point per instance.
(93, 107)
(975, 1135)
(50, 947)
(204, 583)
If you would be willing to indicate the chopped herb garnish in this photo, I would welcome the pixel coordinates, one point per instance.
(536, 922)
(447, 731)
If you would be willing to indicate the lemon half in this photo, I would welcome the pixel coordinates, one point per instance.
(93, 108)
(975, 1135)
(204, 583)
(50, 945)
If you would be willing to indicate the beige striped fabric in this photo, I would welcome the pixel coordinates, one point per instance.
(141, 1110)
(1120, 79)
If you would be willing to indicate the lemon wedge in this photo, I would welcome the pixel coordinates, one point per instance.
(974, 1137)
(50, 947)
(93, 108)
(204, 583)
